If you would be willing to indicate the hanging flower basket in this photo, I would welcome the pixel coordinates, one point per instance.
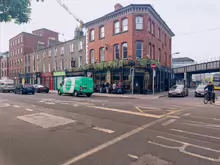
(143, 62)
(125, 62)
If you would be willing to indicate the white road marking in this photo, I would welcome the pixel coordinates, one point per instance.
(30, 110)
(182, 148)
(133, 156)
(2, 105)
(16, 106)
(33, 106)
(46, 120)
(168, 122)
(127, 112)
(104, 130)
(49, 103)
(171, 116)
(197, 134)
(187, 114)
(204, 118)
(111, 142)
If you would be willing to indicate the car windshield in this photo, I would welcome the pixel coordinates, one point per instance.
(28, 85)
(177, 87)
(201, 86)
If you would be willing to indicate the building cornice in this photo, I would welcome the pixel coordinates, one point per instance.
(131, 9)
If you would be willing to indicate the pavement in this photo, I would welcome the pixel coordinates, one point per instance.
(48, 129)
(129, 96)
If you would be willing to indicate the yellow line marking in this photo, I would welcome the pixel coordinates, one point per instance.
(139, 109)
(127, 112)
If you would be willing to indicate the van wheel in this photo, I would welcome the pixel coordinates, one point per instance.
(75, 94)
(88, 95)
(59, 93)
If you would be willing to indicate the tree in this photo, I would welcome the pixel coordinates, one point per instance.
(15, 10)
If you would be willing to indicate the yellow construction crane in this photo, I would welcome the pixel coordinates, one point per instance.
(66, 8)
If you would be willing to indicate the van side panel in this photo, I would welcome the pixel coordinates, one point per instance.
(69, 85)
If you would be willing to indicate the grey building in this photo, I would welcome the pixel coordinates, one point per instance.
(55, 58)
(4, 65)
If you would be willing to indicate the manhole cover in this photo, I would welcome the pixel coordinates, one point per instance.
(45, 120)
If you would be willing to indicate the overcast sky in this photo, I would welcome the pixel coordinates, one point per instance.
(195, 22)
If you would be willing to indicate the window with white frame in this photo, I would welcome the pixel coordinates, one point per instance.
(18, 40)
(49, 53)
(125, 25)
(152, 28)
(139, 22)
(80, 46)
(92, 35)
(18, 51)
(102, 32)
(44, 55)
(125, 50)
(62, 50)
(159, 33)
(92, 56)
(44, 67)
(102, 54)
(80, 61)
(117, 27)
(116, 51)
(21, 39)
(21, 50)
(62, 64)
(55, 51)
(49, 68)
(55, 65)
(71, 48)
(139, 49)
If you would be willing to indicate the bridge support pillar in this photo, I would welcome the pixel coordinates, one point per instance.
(188, 80)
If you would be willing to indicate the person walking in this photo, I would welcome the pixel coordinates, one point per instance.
(107, 87)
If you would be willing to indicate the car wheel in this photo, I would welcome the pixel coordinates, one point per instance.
(195, 95)
(75, 94)
(33, 93)
(88, 95)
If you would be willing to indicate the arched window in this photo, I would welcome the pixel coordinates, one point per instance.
(116, 51)
(139, 49)
(92, 56)
(125, 50)
(102, 54)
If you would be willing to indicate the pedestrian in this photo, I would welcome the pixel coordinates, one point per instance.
(107, 87)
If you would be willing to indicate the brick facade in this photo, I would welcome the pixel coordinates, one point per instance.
(150, 39)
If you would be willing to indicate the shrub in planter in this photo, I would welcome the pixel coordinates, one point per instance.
(125, 62)
(143, 62)
(120, 64)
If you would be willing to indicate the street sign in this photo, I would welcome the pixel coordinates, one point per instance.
(153, 66)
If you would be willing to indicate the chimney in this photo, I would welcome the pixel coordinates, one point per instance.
(118, 6)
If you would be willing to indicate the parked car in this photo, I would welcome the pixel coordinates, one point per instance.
(178, 90)
(7, 85)
(25, 89)
(41, 88)
(200, 91)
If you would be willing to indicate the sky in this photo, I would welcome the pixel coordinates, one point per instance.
(195, 22)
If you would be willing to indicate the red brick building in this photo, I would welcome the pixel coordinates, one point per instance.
(132, 32)
(26, 43)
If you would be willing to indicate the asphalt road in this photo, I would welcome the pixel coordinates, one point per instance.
(47, 129)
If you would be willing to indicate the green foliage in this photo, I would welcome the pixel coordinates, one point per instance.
(15, 10)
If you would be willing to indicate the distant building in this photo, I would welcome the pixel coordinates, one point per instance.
(4, 64)
(26, 43)
(42, 65)
(182, 61)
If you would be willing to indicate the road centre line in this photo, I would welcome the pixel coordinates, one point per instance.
(127, 112)
(103, 130)
(197, 134)
(111, 142)
(187, 114)
(133, 156)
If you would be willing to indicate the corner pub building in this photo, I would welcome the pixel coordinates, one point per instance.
(131, 36)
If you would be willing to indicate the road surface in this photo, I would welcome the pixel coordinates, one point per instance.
(47, 129)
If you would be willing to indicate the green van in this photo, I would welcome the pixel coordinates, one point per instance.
(77, 86)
